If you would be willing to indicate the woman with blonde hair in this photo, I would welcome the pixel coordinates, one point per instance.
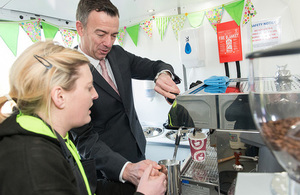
(51, 89)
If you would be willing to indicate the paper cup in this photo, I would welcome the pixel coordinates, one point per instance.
(198, 146)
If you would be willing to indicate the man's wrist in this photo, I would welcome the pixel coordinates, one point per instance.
(121, 173)
(167, 72)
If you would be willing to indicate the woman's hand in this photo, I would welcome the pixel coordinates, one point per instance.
(152, 185)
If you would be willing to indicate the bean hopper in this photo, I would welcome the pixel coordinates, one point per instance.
(275, 107)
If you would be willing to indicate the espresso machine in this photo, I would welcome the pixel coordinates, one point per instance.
(234, 144)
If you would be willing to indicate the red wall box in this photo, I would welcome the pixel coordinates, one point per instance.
(229, 42)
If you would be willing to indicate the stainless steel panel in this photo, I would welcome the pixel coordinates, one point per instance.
(202, 109)
(224, 102)
(213, 110)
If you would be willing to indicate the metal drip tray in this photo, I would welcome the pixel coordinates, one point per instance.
(203, 172)
(152, 131)
(184, 134)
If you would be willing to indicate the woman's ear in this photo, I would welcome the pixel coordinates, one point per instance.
(58, 98)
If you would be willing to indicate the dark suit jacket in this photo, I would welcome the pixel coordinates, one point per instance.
(115, 135)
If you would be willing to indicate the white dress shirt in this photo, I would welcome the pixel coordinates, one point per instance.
(95, 63)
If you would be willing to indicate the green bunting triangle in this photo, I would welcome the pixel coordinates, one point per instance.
(235, 10)
(133, 32)
(196, 19)
(161, 25)
(49, 30)
(9, 32)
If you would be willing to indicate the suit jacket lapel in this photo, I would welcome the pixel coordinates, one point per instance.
(117, 73)
(101, 82)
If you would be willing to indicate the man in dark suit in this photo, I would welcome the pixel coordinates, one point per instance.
(115, 138)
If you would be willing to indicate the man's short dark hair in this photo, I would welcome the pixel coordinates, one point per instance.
(86, 6)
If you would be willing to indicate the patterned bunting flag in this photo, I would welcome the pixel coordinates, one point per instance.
(78, 37)
(235, 10)
(196, 19)
(177, 23)
(67, 36)
(49, 30)
(214, 16)
(249, 12)
(32, 29)
(147, 26)
(121, 35)
(161, 25)
(9, 32)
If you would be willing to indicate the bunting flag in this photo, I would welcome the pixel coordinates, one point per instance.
(9, 32)
(214, 16)
(196, 18)
(77, 37)
(235, 10)
(177, 23)
(32, 29)
(67, 36)
(161, 25)
(133, 32)
(49, 30)
(249, 12)
(147, 26)
(121, 35)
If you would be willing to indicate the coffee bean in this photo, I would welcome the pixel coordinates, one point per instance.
(282, 137)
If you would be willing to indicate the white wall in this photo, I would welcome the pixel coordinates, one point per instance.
(156, 111)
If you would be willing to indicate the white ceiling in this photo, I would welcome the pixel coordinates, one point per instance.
(130, 10)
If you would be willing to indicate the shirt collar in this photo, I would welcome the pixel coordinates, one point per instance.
(93, 61)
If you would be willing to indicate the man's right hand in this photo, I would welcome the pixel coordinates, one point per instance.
(165, 86)
(134, 171)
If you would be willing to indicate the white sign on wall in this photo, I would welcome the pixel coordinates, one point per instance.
(266, 33)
